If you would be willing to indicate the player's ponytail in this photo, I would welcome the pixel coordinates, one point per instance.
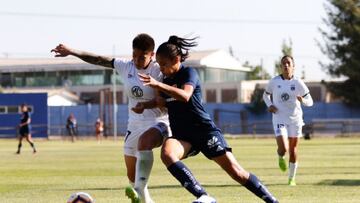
(176, 46)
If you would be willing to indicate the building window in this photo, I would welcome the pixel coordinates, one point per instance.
(14, 109)
(211, 96)
(229, 95)
(2, 109)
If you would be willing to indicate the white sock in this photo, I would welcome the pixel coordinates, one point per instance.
(144, 163)
(292, 169)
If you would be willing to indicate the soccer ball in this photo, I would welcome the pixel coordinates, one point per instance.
(80, 197)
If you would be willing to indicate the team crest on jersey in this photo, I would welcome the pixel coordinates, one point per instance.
(285, 96)
(136, 91)
(292, 87)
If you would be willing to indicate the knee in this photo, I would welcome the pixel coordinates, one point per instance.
(167, 157)
(146, 144)
(142, 145)
(239, 175)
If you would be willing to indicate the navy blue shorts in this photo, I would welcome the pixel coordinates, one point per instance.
(24, 131)
(212, 143)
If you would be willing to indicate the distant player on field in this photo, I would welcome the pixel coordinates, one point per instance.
(192, 128)
(25, 128)
(288, 93)
(144, 131)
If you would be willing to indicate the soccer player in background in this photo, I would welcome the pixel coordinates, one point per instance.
(192, 128)
(144, 131)
(25, 128)
(288, 93)
(99, 129)
(71, 126)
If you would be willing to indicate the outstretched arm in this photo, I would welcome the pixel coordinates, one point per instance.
(63, 51)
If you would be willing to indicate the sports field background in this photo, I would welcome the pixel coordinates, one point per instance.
(329, 171)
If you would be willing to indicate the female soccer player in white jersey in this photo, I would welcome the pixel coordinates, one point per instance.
(288, 93)
(144, 131)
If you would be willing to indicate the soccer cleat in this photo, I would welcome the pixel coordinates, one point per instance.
(282, 164)
(204, 199)
(292, 182)
(131, 193)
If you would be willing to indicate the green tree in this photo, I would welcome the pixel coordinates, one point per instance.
(257, 72)
(342, 46)
(286, 49)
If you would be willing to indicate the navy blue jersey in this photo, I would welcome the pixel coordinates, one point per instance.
(25, 116)
(187, 117)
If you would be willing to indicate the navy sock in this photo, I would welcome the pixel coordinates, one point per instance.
(186, 178)
(255, 186)
(19, 147)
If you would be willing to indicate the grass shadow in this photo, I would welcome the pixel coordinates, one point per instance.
(340, 182)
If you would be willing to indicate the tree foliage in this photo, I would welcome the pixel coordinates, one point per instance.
(257, 72)
(286, 49)
(342, 46)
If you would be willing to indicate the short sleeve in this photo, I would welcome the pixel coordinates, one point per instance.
(269, 87)
(191, 77)
(303, 89)
(121, 66)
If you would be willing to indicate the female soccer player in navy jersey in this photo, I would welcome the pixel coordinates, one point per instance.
(192, 128)
(25, 128)
(288, 93)
(144, 131)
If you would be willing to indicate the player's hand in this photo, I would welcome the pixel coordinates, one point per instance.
(148, 80)
(300, 99)
(272, 109)
(61, 50)
(139, 108)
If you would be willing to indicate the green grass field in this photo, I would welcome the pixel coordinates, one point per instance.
(329, 171)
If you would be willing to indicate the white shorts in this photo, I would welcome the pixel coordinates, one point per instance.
(135, 130)
(288, 130)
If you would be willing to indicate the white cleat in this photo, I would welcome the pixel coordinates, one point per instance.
(204, 199)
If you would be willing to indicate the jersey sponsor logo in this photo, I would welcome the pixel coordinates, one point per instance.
(292, 87)
(285, 96)
(137, 91)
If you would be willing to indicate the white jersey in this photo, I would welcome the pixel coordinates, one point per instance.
(284, 98)
(137, 92)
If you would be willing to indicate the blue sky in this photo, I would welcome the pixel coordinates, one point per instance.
(255, 29)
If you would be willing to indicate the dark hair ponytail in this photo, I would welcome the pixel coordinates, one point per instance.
(176, 46)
